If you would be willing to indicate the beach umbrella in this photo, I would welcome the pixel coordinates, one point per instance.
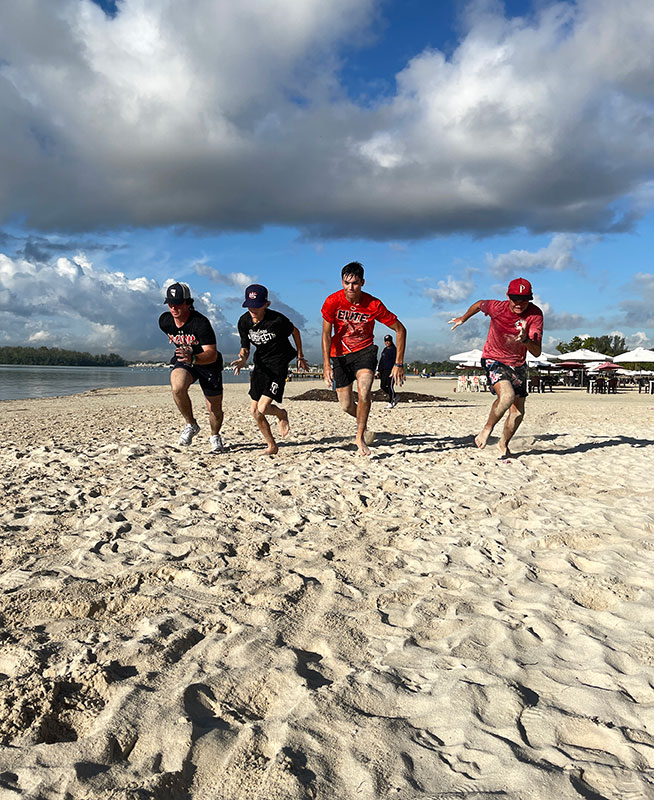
(468, 355)
(607, 366)
(639, 355)
(583, 355)
(570, 365)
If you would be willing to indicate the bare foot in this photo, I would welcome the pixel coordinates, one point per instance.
(284, 427)
(369, 437)
(364, 450)
(482, 438)
(504, 450)
(271, 450)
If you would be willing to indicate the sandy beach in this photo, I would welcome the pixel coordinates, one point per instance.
(428, 623)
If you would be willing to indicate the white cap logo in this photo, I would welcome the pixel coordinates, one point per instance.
(252, 295)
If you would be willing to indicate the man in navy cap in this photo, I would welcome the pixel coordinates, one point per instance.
(516, 328)
(268, 331)
(196, 358)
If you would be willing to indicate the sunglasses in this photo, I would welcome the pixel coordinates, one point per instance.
(519, 298)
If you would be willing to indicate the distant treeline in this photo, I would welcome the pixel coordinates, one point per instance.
(437, 367)
(609, 344)
(55, 357)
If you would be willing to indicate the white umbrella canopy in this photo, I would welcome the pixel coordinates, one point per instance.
(583, 355)
(639, 355)
(468, 355)
(543, 360)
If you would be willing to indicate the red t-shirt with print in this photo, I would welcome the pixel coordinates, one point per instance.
(502, 343)
(354, 323)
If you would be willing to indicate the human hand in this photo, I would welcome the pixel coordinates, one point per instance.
(397, 373)
(302, 363)
(457, 321)
(184, 353)
(238, 365)
(328, 375)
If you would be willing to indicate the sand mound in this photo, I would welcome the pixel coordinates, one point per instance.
(377, 396)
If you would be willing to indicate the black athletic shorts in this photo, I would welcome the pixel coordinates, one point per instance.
(267, 384)
(497, 371)
(210, 376)
(345, 367)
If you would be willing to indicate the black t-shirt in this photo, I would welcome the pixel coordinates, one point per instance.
(270, 337)
(194, 333)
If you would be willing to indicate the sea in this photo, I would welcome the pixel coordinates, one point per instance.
(19, 382)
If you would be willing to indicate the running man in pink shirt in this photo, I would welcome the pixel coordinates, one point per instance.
(348, 349)
(516, 328)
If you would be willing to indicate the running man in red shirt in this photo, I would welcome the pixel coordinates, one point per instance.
(516, 328)
(348, 349)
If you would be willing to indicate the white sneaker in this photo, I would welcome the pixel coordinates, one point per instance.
(186, 436)
(390, 405)
(394, 403)
(217, 445)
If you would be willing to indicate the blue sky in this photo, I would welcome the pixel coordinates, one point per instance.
(448, 146)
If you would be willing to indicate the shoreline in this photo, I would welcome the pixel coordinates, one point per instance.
(426, 622)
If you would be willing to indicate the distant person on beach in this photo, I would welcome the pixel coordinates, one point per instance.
(516, 328)
(348, 351)
(387, 361)
(196, 358)
(268, 331)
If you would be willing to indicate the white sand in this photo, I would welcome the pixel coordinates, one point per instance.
(428, 623)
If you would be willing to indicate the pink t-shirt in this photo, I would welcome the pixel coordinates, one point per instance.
(354, 323)
(502, 342)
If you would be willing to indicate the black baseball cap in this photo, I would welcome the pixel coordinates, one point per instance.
(177, 293)
(256, 296)
(388, 338)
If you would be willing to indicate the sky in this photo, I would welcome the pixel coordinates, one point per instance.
(448, 146)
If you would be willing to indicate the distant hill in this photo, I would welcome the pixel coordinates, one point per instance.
(55, 357)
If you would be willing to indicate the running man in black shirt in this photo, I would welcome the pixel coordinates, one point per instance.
(196, 358)
(268, 331)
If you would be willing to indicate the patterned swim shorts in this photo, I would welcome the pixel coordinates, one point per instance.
(497, 371)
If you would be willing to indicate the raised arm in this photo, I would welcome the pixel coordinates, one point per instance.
(474, 309)
(398, 368)
(326, 348)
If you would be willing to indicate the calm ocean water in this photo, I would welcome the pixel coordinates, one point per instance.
(20, 382)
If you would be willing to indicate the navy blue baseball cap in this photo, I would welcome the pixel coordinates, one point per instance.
(256, 296)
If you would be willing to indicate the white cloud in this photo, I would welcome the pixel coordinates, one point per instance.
(450, 291)
(238, 279)
(232, 117)
(74, 305)
(557, 256)
(639, 309)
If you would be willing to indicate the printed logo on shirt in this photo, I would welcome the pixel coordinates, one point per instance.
(181, 339)
(261, 337)
(274, 387)
(352, 316)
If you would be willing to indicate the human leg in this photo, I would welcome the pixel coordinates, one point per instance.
(215, 408)
(511, 425)
(505, 395)
(180, 380)
(365, 378)
(259, 409)
(346, 400)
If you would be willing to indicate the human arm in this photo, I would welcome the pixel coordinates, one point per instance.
(243, 355)
(326, 348)
(297, 338)
(397, 373)
(206, 356)
(534, 344)
(474, 309)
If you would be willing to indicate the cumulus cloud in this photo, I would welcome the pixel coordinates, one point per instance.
(238, 279)
(559, 320)
(450, 290)
(71, 303)
(236, 116)
(639, 310)
(557, 256)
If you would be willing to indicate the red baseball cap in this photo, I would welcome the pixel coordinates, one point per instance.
(520, 287)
